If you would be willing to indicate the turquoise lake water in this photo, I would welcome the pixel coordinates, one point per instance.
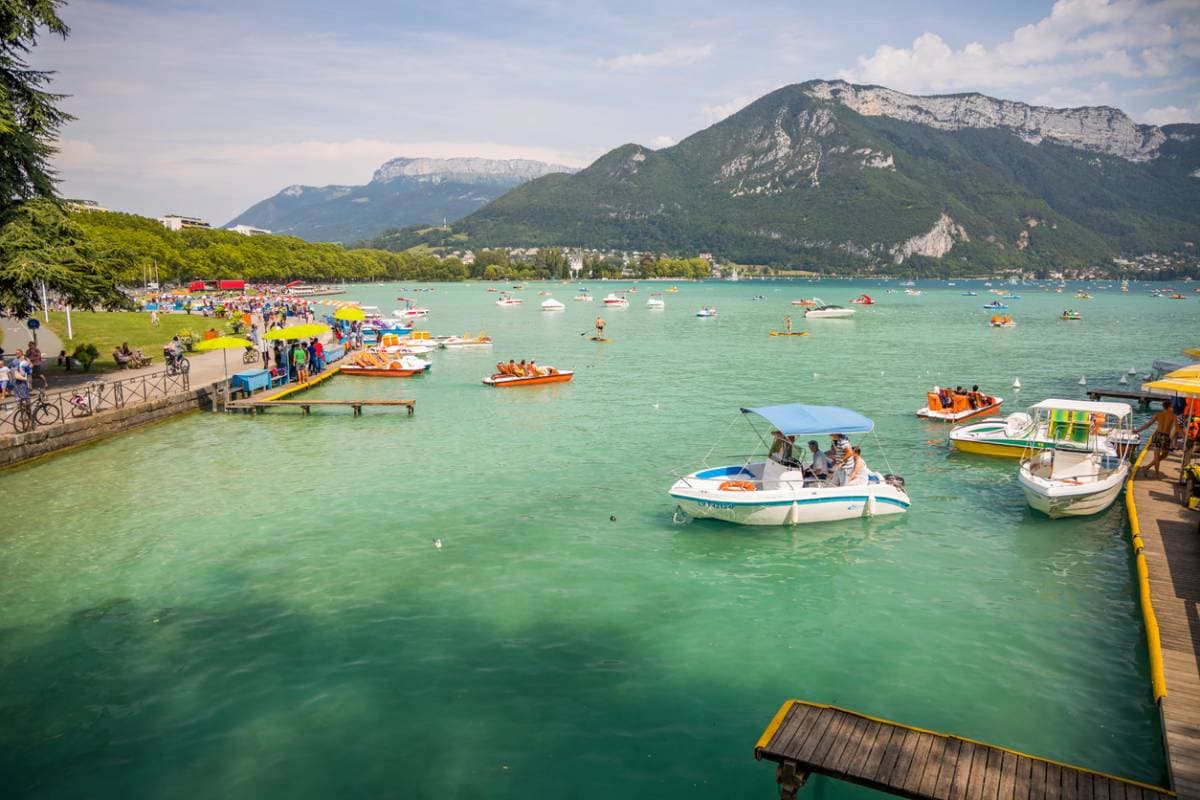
(233, 606)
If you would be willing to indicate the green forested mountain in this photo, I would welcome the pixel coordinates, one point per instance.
(832, 175)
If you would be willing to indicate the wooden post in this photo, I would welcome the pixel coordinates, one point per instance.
(790, 781)
(305, 409)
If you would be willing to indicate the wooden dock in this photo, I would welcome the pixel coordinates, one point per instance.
(305, 405)
(806, 738)
(1141, 398)
(1166, 542)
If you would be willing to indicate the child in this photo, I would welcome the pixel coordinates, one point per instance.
(3, 378)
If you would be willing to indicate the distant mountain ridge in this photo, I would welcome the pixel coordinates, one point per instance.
(402, 192)
(828, 174)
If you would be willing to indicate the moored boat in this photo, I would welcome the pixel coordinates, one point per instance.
(995, 305)
(1071, 316)
(508, 302)
(655, 304)
(828, 312)
(1011, 436)
(1075, 476)
(778, 490)
(367, 363)
(707, 311)
(961, 406)
(550, 304)
(808, 302)
(466, 340)
(863, 300)
(1002, 321)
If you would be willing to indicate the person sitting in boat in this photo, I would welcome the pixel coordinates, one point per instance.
(856, 471)
(532, 370)
(521, 370)
(821, 465)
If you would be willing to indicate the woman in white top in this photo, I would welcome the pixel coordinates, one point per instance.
(856, 472)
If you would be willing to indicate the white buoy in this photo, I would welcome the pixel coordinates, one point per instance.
(437, 543)
(1017, 383)
(1133, 370)
(1083, 380)
(1123, 380)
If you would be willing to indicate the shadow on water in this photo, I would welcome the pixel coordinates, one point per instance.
(252, 698)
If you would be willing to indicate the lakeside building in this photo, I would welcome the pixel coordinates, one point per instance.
(248, 230)
(177, 222)
(84, 205)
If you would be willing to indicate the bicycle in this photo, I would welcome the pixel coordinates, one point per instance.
(250, 356)
(88, 403)
(23, 419)
(177, 366)
(45, 413)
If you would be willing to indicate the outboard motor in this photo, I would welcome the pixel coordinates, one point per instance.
(894, 480)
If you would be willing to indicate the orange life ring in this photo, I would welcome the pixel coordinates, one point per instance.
(737, 486)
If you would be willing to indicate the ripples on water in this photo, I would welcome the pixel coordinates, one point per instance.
(233, 606)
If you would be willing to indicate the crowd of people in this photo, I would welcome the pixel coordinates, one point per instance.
(21, 371)
(975, 398)
(842, 464)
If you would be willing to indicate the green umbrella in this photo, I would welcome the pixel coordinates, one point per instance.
(224, 343)
(306, 331)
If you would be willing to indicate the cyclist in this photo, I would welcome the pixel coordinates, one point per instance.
(173, 352)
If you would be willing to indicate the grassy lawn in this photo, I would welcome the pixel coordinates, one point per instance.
(108, 330)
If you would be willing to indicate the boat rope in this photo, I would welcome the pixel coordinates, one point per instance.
(879, 444)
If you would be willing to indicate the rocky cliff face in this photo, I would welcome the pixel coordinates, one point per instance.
(466, 170)
(935, 243)
(1098, 129)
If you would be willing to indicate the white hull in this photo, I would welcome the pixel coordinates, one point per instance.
(1065, 499)
(829, 313)
(785, 502)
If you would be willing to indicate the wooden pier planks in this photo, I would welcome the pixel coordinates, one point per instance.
(356, 405)
(922, 764)
(1171, 546)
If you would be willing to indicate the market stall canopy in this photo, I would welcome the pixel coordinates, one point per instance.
(795, 419)
(307, 331)
(350, 314)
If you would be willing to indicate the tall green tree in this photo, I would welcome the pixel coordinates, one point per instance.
(41, 246)
(29, 114)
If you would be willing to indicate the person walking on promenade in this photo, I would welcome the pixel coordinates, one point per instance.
(34, 356)
(1164, 435)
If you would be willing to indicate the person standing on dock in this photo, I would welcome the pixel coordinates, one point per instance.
(1164, 434)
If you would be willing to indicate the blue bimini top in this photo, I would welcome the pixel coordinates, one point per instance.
(796, 419)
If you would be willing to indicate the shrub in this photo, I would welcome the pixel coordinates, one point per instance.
(85, 354)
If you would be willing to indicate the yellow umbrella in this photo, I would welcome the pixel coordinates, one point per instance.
(350, 314)
(306, 331)
(1191, 372)
(224, 343)
(1175, 386)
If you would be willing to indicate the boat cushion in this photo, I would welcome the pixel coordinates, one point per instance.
(1069, 464)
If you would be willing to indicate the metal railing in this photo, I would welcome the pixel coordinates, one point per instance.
(45, 409)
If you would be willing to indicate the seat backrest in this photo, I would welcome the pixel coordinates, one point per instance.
(1070, 464)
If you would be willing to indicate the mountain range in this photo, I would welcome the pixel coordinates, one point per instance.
(402, 192)
(827, 174)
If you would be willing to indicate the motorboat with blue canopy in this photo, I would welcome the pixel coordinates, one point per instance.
(791, 485)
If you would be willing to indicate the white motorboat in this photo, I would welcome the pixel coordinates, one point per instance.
(616, 301)
(550, 304)
(509, 301)
(828, 312)
(412, 312)
(465, 341)
(655, 304)
(707, 311)
(1076, 475)
(777, 490)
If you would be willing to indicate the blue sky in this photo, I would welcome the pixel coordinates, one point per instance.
(205, 107)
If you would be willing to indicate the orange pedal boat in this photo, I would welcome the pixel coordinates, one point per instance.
(552, 376)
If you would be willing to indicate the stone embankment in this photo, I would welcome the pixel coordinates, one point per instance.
(21, 447)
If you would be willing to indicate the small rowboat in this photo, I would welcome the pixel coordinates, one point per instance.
(552, 376)
(783, 333)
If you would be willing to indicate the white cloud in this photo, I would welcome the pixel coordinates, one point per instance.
(669, 57)
(1169, 114)
(718, 112)
(659, 142)
(1079, 40)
